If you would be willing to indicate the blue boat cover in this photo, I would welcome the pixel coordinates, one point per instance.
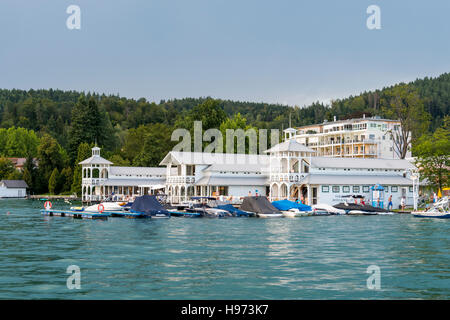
(147, 205)
(230, 208)
(284, 205)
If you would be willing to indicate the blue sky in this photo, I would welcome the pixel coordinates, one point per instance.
(290, 52)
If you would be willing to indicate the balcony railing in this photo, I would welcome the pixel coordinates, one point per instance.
(286, 177)
(345, 142)
(92, 181)
(344, 154)
(181, 179)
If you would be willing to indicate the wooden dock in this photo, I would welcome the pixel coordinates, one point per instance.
(76, 214)
(53, 197)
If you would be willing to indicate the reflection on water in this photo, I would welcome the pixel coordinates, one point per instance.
(180, 258)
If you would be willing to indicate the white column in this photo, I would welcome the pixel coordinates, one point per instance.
(309, 195)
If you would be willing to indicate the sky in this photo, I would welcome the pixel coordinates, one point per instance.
(288, 52)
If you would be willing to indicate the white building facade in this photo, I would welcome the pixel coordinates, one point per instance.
(13, 189)
(289, 170)
(101, 180)
(230, 176)
(354, 138)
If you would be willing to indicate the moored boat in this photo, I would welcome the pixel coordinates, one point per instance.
(261, 207)
(148, 207)
(439, 210)
(326, 209)
(201, 206)
(294, 213)
(291, 209)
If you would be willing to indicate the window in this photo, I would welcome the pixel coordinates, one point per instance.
(366, 189)
(223, 190)
(394, 189)
(336, 189)
(345, 189)
(325, 189)
(410, 189)
(355, 189)
(386, 188)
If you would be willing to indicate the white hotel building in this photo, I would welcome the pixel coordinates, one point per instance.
(289, 170)
(354, 138)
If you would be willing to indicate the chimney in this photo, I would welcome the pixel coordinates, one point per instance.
(334, 118)
(364, 115)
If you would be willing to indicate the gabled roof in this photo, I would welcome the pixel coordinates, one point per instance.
(204, 158)
(335, 179)
(134, 171)
(95, 160)
(237, 167)
(15, 183)
(290, 145)
(132, 182)
(359, 163)
(233, 181)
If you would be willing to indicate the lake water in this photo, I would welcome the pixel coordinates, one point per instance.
(238, 258)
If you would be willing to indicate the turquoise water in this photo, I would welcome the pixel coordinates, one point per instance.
(239, 258)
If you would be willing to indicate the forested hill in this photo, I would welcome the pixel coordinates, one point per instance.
(50, 111)
(59, 127)
(435, 93)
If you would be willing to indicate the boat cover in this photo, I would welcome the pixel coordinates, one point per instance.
(258, 205)
(230, 208)
(148, 205)
(285, 205)
(353, 206)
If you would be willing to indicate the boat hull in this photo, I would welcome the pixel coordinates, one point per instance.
(269, 215)
(431, 215)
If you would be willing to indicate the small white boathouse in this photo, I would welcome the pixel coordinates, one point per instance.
(13, 189)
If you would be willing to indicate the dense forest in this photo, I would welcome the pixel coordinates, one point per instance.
(58, 127)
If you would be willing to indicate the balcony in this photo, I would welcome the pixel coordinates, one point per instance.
(346, 142)
(343, 154)
(181, 179)
(92, 181)
(287, 177)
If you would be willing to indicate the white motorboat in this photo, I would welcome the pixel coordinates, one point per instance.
(270, 215)
(293, 213)
(361, 213)
(107, 207)
(439, 210)
(323, 208)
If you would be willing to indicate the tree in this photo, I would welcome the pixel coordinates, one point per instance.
(53, 181)
(117, 160)
(84, 152)
(29, 172)
(404, 104)
(210, 113)
(50, 156)
(134, 142)
(433, 156)
(6, 168)
(18, 142)
(27, 177)
(86, 124)
(236, 123)
(156, 144)
(65, 180)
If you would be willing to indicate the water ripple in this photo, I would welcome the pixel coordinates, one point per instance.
(304, 258)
